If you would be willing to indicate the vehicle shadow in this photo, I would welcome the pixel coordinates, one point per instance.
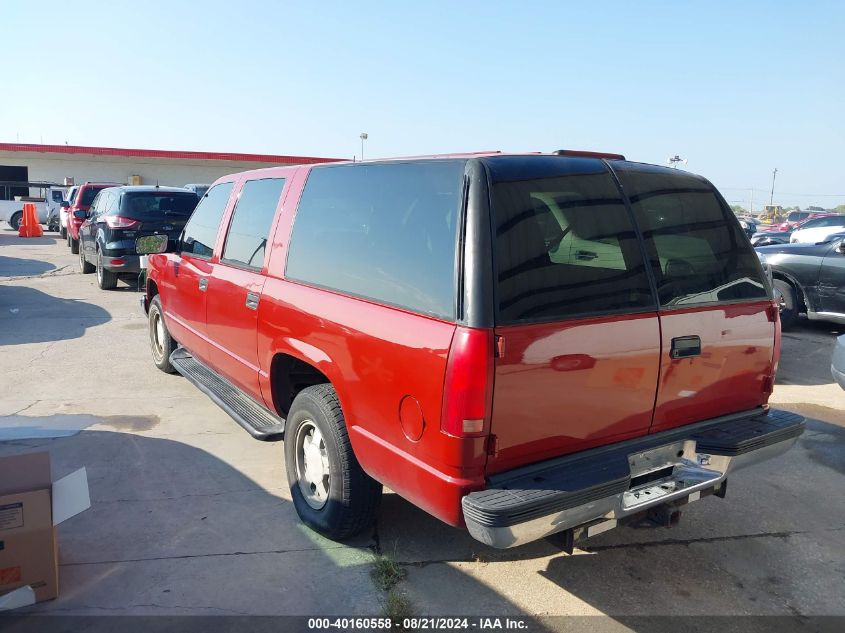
(17, 267)
(28, 315)
(748, 554)
(805, 353)
(175, 529)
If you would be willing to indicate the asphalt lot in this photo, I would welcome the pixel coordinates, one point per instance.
(191, 516)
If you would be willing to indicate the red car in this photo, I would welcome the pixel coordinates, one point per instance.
(78, 210)
(518, 344)
(796, 218)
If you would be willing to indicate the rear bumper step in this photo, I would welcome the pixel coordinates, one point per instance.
(255, 418)
(612, 482)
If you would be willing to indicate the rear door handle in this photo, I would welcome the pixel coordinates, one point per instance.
(684, 346)
(203, 284)
(252, 299)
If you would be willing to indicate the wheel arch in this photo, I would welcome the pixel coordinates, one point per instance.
(294, 369)
(800, 292)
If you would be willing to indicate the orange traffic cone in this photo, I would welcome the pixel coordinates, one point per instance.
(29, 226)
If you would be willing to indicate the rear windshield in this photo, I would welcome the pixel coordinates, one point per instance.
(156, 206)
(88, 195)
(565, 244)
(697, 250)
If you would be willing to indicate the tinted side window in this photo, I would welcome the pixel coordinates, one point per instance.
(565, 243)
(697, 250)
(382, 231)
(201, 230)
(250, 226)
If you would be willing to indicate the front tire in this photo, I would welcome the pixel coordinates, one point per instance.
(789, 310)
(106, 279)
(331, 492)
(161, 343)
(15, 220)
(63, 233)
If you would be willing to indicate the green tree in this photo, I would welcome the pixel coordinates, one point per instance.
(738, 209)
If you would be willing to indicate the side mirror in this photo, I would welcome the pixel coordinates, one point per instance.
(65, 204)
(151, 244)
(80, 215)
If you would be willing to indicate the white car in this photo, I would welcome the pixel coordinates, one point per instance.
(818, 229)
(71, 196)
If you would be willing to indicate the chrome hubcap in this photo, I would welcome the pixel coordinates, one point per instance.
(312, 465)
(157, 332)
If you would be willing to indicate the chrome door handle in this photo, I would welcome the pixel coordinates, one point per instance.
(252, 299)
(685, 346)
(203, 284)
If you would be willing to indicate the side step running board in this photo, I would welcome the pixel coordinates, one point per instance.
(255, 418)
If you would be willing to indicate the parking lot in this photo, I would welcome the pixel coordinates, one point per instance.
(191, 516)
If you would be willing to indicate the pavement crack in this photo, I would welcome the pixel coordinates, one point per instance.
(148, 604)
(26, 408)
(192, 495)
(709, 539)
(119, 561)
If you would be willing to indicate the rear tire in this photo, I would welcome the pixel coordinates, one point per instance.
(106, 279)
(74, 245)
(85, 267)
(15, 220)
(789, 310)
(63, 233)
(331, 492)
(161, 343)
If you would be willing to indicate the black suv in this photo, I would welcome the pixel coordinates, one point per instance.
(120, 215)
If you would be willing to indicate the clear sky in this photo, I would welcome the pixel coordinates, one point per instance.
(737, 88)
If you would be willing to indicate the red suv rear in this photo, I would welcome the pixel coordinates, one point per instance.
(522, 345)
(81, 205)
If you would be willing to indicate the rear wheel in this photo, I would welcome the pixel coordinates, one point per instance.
(15, 220)
(161, 343)
(331, 492)
(63, 233)
(106, 279)
(84, 266)
(74, 245)
(789, 303)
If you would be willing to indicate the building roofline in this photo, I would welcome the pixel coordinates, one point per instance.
(277, 159)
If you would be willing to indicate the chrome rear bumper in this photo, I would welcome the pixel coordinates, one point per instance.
(593, 490)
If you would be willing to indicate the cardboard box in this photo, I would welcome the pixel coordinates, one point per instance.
(31, 506)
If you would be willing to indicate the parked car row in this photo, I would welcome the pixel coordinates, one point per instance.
(813, 229)
(518, 344)
(101, 221)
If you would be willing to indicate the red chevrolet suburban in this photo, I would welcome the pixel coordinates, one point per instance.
(519, 344)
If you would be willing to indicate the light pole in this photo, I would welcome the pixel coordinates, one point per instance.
(364, 137)
(674, 160)
(772, 197)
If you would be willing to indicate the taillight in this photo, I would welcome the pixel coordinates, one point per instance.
(468, 388)
(119, 222)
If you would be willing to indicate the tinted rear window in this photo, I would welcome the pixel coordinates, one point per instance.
(697, 250)
(565, 244)
(158, 206)
(88, 195)
(385, 232)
